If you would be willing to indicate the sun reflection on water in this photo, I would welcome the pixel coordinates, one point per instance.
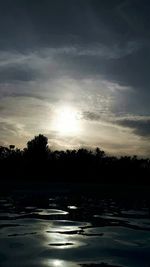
(61, 263)
(57, 263)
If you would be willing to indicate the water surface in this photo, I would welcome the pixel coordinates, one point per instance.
(70, 231)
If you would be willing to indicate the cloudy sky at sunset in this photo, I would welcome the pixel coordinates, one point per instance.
(77, 71)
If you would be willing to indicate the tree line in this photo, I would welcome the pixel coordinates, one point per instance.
(37, 162)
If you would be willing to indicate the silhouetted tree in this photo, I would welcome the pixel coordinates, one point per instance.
(99, 153)
(12, 146)
(81, 165)
(37, 148)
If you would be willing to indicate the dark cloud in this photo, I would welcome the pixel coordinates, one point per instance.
(87, 115)
(140, 127)
(28, 24)
(133, 69)
(116, 31)
(17, 73)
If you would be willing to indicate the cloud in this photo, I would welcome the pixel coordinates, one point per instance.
(56, 141)
(7, 127)
(19, 73)
(87, 115)
(13, 133)
(140, 126)
(93, 55)
(98, 49)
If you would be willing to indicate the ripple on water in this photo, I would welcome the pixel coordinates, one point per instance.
(120, 238)
(72, 207)
(51, 212)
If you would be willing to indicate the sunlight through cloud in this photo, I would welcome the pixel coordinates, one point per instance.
(66, 121)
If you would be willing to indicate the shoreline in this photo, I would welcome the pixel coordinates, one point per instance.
(97, 189)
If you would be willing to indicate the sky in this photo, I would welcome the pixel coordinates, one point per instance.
(77, 71)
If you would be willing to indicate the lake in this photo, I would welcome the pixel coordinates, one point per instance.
(70, 230)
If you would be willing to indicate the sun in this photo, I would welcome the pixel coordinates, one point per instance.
(67, 121)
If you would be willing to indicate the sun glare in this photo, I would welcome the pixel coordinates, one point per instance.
(67, 121)
(57, 263)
